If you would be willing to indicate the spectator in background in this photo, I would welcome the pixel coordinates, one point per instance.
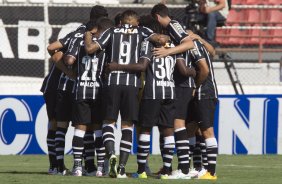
(217, 11)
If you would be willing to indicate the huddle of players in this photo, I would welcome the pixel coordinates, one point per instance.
(102, 64)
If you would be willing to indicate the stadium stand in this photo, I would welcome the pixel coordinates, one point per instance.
(252, 26)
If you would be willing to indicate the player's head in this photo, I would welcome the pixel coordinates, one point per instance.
(130, 17)
(161, 14)
(98, 11)
(150, 22)
(154, 25)
(92, 26)
(104, 23)
(118, 19)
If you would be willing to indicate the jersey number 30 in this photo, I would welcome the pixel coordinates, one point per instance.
(164, 67)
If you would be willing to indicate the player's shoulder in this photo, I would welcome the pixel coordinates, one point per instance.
(146, 45)
(176, 23)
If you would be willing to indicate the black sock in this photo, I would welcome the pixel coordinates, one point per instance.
(169, 145)
(182, 147)
(78, 146)
(192, 143)
(204, 152)
(197, 155)
(109, 138)
(143, 152)
(51, 148)
(60, 147)
(161, 139)
(100, 148)
(88, 141)
(212, 152)
(125, 146)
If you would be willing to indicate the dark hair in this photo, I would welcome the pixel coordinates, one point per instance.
(129, 13)
(104, 23)
(91, 24)
(160, 9)
(150, 22)
(117, 19)
(98, 11)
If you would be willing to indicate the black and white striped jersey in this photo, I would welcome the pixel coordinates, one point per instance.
(208, 90)
(51, 81)
(176, 32)
(122, 45)
(89, 70)
(69, 42)
(191, 57)
(159, 83)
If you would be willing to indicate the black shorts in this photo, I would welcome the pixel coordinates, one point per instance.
(204, 112)
(87, 112)
(123, 99)
(64, 106)
(157, 113)
(191, 115)
(50, 101)
(183, 98)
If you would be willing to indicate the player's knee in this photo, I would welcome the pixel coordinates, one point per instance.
(179, 123)
(126, 124)
(208, 132)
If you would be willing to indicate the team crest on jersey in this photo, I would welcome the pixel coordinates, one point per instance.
(178, 27)
(143, 46)
(78, 35)
(195, 52)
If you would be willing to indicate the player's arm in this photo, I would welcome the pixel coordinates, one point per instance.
(180, 36)
(59, 44)
(136, 67)
(57, 59)
(184, 70)
(206, 44)
(93, 46)
(90, 46)
(183, 47)
(202, 73)
(53, 47)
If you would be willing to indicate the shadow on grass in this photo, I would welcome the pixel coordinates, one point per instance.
(23, 172)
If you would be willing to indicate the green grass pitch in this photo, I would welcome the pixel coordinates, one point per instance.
(32, 169)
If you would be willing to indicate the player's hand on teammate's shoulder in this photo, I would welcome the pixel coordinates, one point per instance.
(161, 52)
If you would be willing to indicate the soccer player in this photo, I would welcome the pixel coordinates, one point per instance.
(49, 90)
(184, 85)
(122, 45)
(157, 105)
(86, 107)
(63, 106)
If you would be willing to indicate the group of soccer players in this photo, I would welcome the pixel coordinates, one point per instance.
(97, 74)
